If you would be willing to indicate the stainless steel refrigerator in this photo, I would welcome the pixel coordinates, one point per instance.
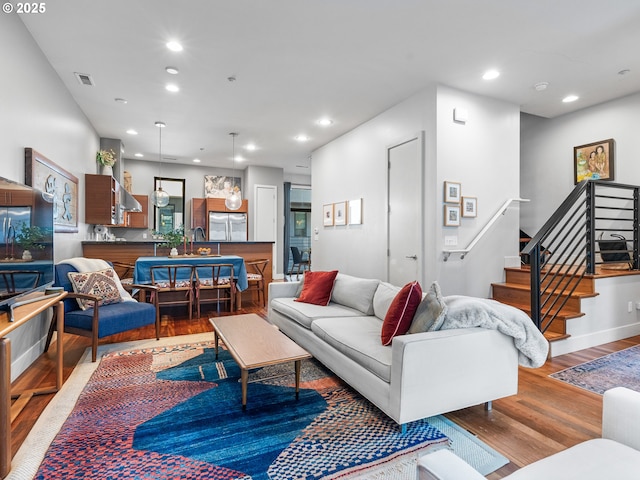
(11, 218)
(227, 227)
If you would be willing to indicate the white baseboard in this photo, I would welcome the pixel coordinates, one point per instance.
(575, 343)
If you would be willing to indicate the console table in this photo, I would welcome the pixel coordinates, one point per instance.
(37, 303)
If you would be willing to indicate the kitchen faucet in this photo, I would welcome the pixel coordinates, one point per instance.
(195, 233)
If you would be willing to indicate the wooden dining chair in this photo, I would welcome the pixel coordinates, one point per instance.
(215, 283)
(124, 271)
(175, 284)
(255, 278)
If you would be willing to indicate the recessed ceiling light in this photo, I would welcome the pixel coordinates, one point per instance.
(139, 155)
(120, 100)
(491, 75)
(570, 98)
(541, 86)
(172, 70)
(172, 87)
(174, 46)
(239, 158)
(131, 131)
(324, 122)
(302, 138)
(251, 147)
(196, 160)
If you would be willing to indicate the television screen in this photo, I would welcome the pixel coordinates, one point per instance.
(26, 241)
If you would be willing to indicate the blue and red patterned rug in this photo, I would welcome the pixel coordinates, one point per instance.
(175, 412)
(618, 369)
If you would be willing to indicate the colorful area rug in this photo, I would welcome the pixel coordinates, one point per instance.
(619, 369)
(174, 412)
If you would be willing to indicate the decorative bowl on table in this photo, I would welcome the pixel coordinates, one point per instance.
(204, 251)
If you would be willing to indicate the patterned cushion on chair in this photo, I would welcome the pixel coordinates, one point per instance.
(101, 284)
(179, 284)
(208, 282)
(254, 276)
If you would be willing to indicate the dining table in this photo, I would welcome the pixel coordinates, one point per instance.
(142, 270)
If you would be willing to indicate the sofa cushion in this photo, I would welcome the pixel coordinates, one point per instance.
(306, 313)
(102, 284)
(317, 287)
(355, 292)
(431, 312)
(359, 339)
(385, 293)
(400, 314)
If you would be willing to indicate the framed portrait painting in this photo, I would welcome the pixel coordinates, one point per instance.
(593, 161)
(48, 177)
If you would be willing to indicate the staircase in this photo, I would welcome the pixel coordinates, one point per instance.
(516, 291)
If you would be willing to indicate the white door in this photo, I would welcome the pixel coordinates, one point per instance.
(405, 213)
(265, 208)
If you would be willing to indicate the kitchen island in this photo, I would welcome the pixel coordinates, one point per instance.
(127, 252)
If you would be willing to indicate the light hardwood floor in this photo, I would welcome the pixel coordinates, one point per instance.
(546, 415)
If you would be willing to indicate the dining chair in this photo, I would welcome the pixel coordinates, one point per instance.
(298, 262)
(15, 282)
(95, 318)
(175, 284)
(215, 283)
(255, 277)
(124, 271)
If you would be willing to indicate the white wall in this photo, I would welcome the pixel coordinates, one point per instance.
(547, 153)
(37, 111)
(482, 155)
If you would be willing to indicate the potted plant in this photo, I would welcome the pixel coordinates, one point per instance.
(172, 239)
(28, 237)
(106, 159)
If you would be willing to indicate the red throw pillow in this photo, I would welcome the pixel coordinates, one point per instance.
(317, 287)
(400, 314)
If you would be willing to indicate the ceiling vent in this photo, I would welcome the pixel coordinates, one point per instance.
(84, 79)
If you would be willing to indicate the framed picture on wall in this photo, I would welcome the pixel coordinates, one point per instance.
(355, 212)
(469, 206)
(340, 213)
(452, 215)
(49, 177)
(327, 215)
(593, 161)
(452, 192)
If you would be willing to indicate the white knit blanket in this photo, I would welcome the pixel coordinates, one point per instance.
(83, 264)
(465, 312)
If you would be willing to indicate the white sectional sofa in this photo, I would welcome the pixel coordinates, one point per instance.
(419, 374)
(614, 456)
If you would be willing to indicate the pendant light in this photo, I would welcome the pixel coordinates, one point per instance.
(233, 201)
(159, 197)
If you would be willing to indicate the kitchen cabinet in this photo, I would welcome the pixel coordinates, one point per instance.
(101, 200)
(137, 219)
(16, 198)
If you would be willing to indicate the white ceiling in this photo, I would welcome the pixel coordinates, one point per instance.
(298, 60)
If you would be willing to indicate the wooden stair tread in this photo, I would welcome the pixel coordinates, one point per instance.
(526, 288)
(562, 315)
(554, 336)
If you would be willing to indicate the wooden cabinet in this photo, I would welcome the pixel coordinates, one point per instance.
(198, 213)
(16, 198)
(217, 205)
(138, 219)
(101, 195)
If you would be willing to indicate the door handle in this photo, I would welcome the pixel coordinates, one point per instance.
(412, 257)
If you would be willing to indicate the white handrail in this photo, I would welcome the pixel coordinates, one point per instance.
(480, 234)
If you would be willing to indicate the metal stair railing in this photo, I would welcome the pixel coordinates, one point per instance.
(570, 244)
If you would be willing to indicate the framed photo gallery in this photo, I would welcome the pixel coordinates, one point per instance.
(457, 206)
(342, 213)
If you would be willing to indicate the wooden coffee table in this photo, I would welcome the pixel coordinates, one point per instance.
(253, 342)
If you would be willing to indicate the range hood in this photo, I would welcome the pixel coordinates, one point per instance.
(129, 203)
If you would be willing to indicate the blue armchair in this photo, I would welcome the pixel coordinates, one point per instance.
(101, 321)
